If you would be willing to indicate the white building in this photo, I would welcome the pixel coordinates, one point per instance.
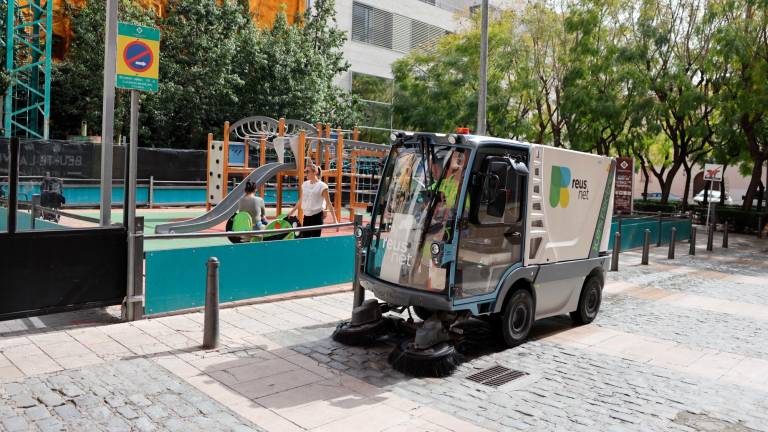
(382, 31)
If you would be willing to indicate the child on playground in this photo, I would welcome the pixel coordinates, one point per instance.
(254, 205)
(315, 200)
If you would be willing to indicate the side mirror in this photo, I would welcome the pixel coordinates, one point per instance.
(496, 206)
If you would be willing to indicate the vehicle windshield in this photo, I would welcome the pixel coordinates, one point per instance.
(416, 206)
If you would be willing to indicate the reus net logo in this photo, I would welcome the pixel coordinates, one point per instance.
(558, 186)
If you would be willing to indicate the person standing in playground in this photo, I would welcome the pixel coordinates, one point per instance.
(254, 205)
(315, 200)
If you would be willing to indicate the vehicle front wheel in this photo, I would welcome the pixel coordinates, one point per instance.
(518, 316)
(589, 301)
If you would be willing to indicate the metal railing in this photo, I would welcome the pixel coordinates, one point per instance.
(244, 233)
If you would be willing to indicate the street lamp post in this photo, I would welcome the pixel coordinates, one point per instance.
(482, 93)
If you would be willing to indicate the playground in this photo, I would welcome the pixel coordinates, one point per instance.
(259, 150)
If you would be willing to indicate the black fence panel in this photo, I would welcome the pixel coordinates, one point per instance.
(82, 160)
(51, 271)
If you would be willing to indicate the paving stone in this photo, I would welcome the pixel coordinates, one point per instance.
(67, 412)
(71, 390)
(24, 401)
(127, 412)
(14, 424)
(36, 413)
(156, 412)
(116, 424)
(50, 399)
(50, 425)
(139, 400)
(115, 401)
(143, 424)
(86, 401)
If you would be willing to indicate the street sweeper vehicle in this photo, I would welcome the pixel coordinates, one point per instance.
(477, 229)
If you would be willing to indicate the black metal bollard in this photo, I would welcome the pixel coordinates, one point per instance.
(646, 246)
(692, 241)
(661, 227)
(211, 322)
(672, 243)
(725, 235)
(616, 251)
(760, 226)
(357, 289)
(710, 238)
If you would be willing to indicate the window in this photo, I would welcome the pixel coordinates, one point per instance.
(392, 31)
(361, 22)
(490, 237)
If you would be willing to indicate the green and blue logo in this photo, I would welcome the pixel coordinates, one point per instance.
(558, 186)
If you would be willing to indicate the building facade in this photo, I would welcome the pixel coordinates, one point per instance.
(381, 31)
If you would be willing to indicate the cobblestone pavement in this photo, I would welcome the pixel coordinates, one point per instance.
(129, 395)
(679, 345)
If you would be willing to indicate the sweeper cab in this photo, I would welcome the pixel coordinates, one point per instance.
(478, 229)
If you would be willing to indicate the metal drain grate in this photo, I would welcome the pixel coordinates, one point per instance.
(496, 376)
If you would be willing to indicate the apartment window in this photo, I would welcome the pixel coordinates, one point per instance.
(361, 22)
(391, 31)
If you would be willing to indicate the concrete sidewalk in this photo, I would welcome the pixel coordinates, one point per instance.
(678, 345)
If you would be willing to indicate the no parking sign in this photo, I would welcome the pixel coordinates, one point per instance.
(138, 57)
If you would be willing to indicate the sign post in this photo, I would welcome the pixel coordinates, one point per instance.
(712, 173)
(624, 185)
(108, 114)
(138, 66)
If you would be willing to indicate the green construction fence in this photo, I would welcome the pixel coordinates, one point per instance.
(175, 278)
(633, 230)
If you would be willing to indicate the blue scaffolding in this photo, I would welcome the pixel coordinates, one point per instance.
(27, 43)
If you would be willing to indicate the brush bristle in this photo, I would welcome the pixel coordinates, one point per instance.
(418, 364)
(366, 334)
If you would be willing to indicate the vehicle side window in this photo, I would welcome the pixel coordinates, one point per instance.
(490, 230)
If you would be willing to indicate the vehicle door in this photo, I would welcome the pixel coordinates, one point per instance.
(491, 226)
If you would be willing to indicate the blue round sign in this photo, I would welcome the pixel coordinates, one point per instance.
(138, 56)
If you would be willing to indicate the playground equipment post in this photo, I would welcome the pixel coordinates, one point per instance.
(130, 207)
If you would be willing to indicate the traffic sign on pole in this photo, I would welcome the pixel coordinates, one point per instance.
(138, 57)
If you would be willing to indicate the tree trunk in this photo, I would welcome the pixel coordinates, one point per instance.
(644, 167)
(686, 192)
(757, 171)
(722, 186)
(666, 183)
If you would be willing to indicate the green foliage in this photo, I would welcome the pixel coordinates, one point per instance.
(5, 77)
(674, 83)
(216, 65)
(435, 90)
(656, 206)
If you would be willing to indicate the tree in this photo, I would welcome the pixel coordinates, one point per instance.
(77, 82)
(602, 101)
(216, 65)
(671, 43)
(436, 88)
(290, 69)
(741, 49)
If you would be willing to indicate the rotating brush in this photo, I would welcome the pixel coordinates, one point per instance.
(437, 361)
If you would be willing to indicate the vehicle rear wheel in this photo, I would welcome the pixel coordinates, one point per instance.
(589, 301)
(518, 316)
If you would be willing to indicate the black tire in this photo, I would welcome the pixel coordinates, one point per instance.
(517, 319)
(589, 301)
(232, 239)
(422, 312)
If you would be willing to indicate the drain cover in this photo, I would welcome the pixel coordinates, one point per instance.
(496, 376)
